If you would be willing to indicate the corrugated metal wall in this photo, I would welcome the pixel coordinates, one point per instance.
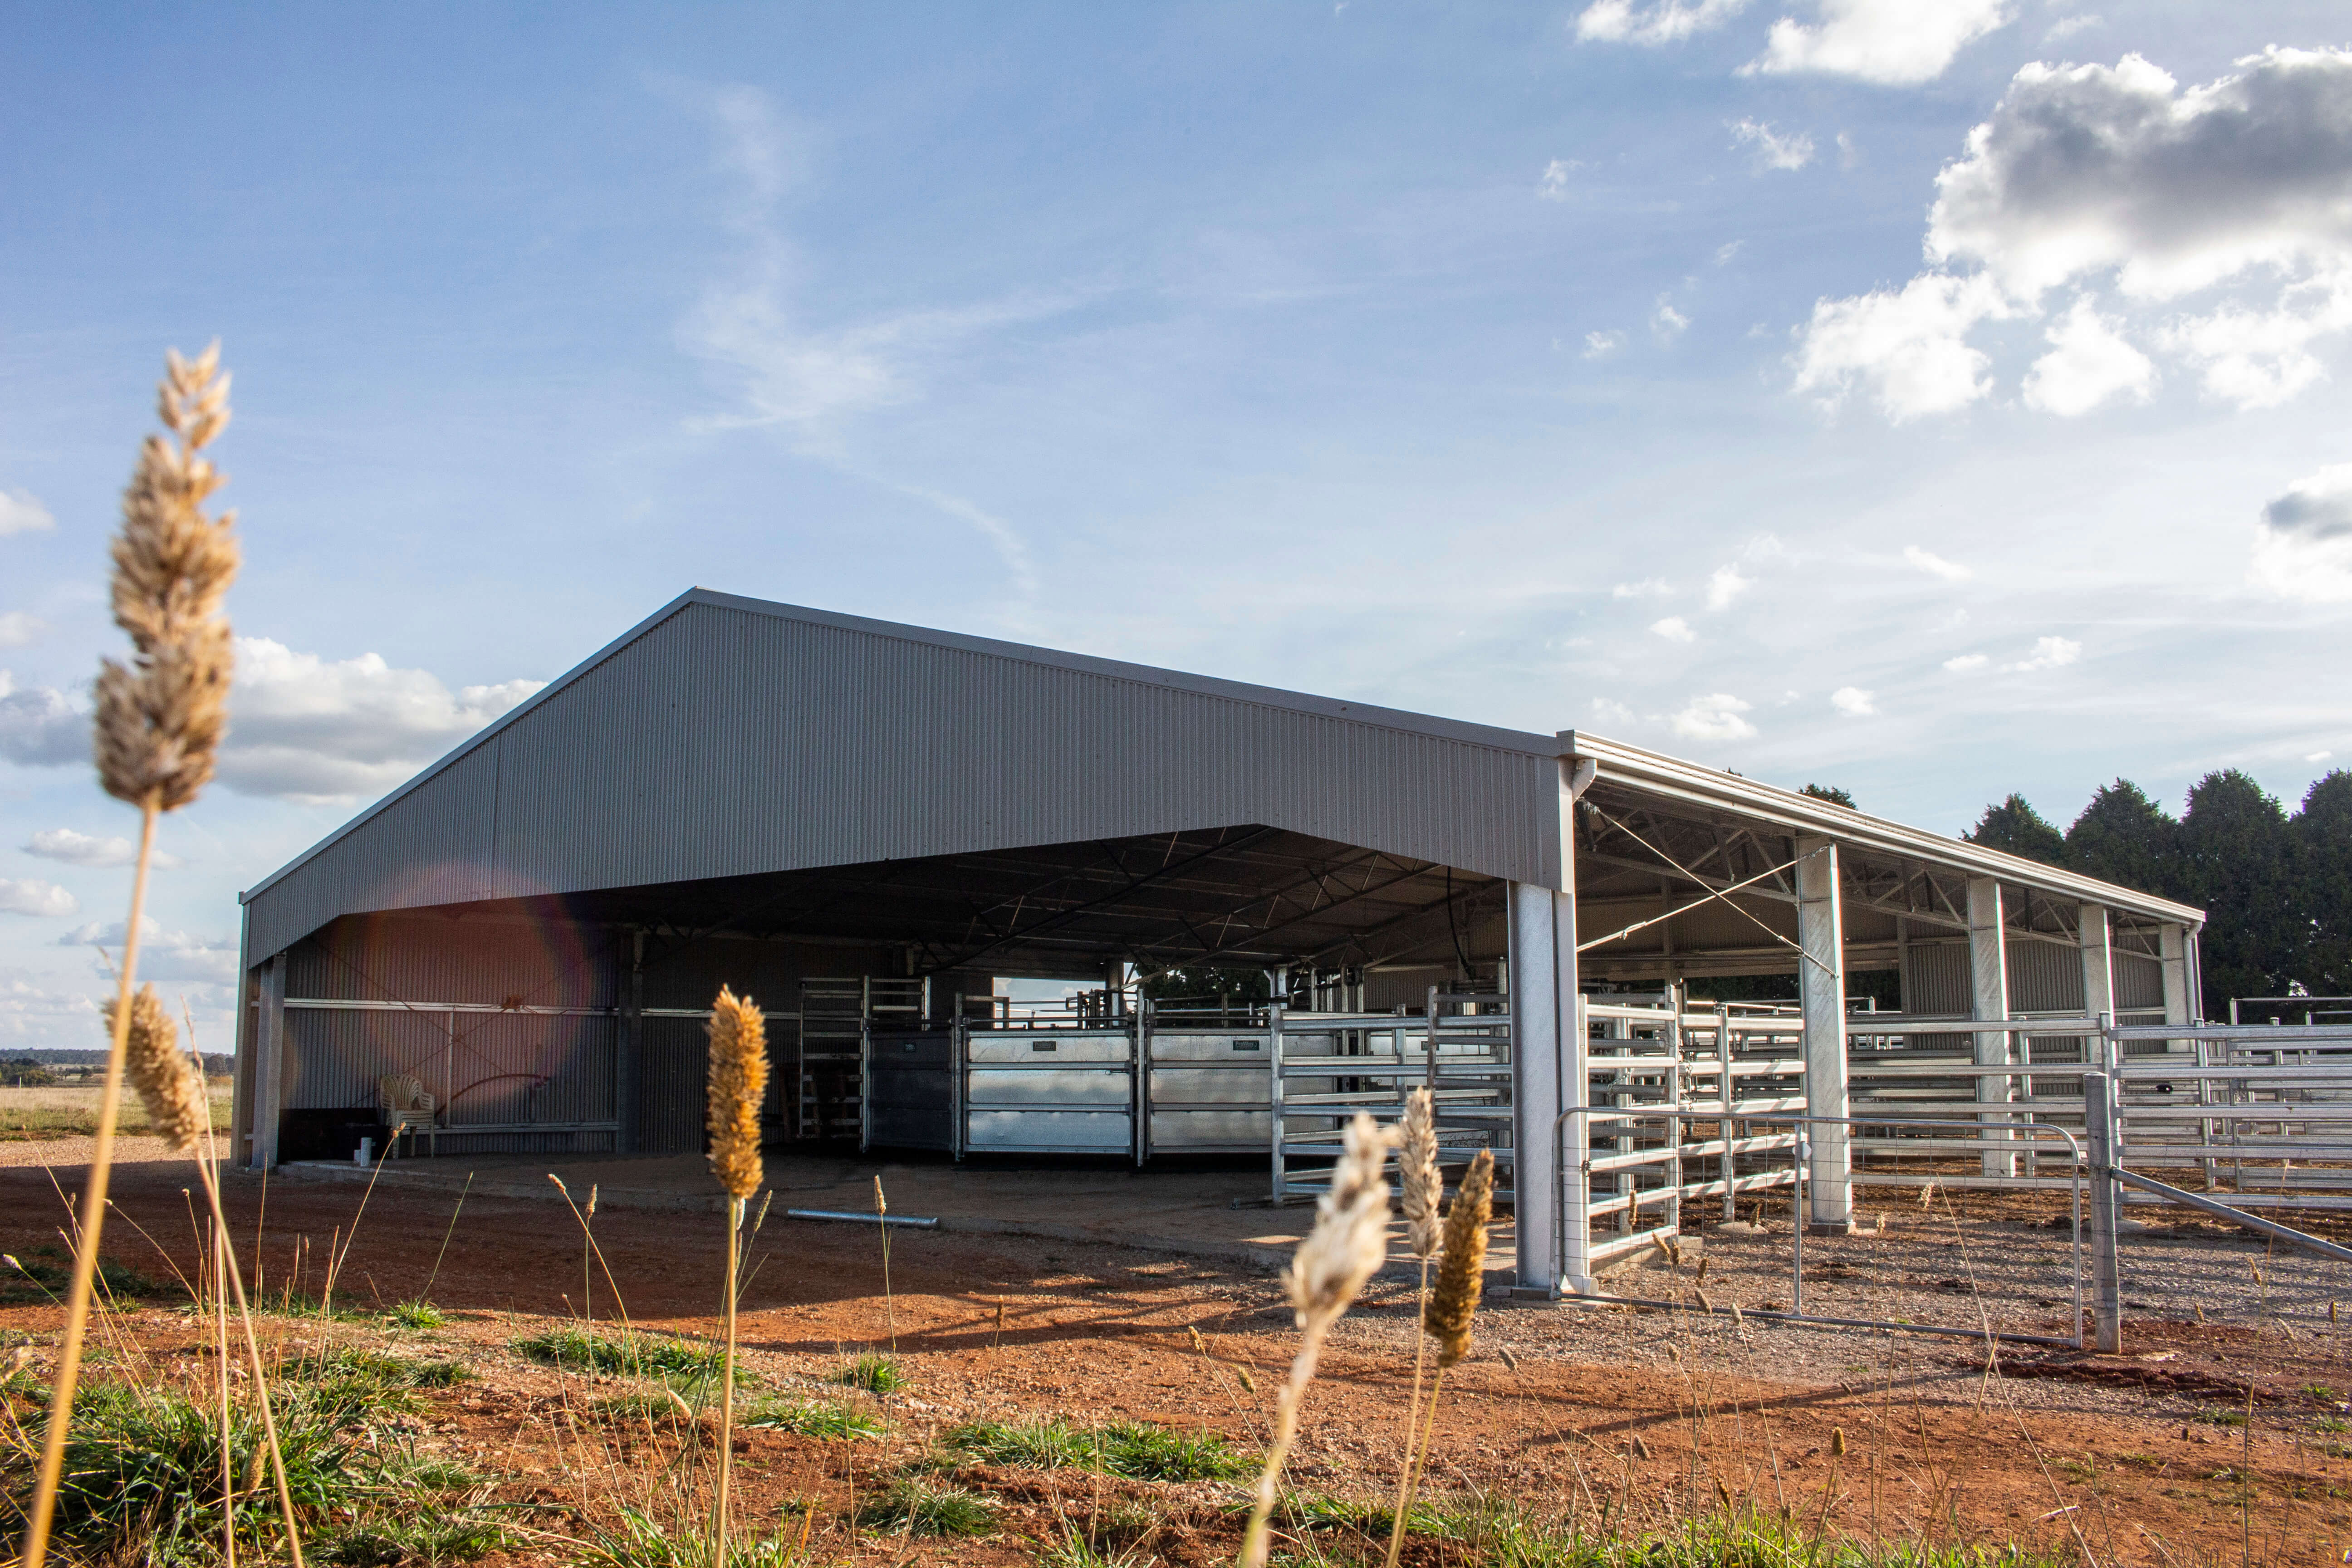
(727, 740)
(2043, 977)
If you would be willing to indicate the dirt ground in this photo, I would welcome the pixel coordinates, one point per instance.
(2227, 1438)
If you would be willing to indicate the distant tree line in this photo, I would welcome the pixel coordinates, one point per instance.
(2276, 888)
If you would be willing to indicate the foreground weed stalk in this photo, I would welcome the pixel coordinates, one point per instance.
(882, 1223)
(158, 725)
(1461, 1276)
(1420, 1186)
(1349, 1241)
(739, 1081)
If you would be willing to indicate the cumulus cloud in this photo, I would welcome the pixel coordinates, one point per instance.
(1886, 41)
(1936, 565)
(1967, 662)
(1601, 345)
(1853, 702)
(21, 512)
(2067, 27)
(2083, 169)
(17, 628)
(1674, 629)
(314, 731)
(1714, 717)
(1647, 588)
(1908, 348)
(1659, 22)
(1667, 321)
(163, 954)
(1607, 711)
(42, 900)
(1726, 584)
(2118, 173)
(86, 849)
(1553, 185)
(2048, 653)
(1773, 150)
(2302, 546)
(32, 1016)
(2089, 363)
(39, 727)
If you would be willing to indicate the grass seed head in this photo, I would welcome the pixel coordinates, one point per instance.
(161, 717)
(1462, 1272)
(166, 1082)
(739, 1081)
(1350, 1239)
(1420, 1188)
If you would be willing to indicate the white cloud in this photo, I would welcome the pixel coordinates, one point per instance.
(21, 512)
(1936, 565)
(1909, 348)
(1853, 702)
(40, 728)
(43, 899)
(1648, 588)
(1674, 629)
(1967, 662)
(31, 1016)
(2048, 653)
(163, 954)
(2260, 357)
(2084, 172)
(1886, 41)
(17, 628)
(1659, 22)
(2087, 168)
(2302, 545)
(1773, 150)
(1726, 584)
(85, 849)
(2067, 27)
(1553, 186)
(1715, 717)
(1601, 345)
(1606, 711)
(2316, 756)
(2089, 363)
(308, 730)
(1849, 153)
(1724, 253)
(1667, 321)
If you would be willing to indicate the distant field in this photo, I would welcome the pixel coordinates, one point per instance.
(72, 1112)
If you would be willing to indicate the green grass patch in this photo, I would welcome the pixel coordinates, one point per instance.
(1072, 1550)
(874, 1373)
(637, 1540)
(810, 1418)
(1136, 1451)
(354, 1383)
(143, 1481)
(629, 1356)
(45, 1273)
(416, 1315)
(914, 1506)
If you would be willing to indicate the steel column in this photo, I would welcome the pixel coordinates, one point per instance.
(269, 1063)
(1543, 1031)
(2100, 1152)
(2097, 939)
(1820, 983)
(1989, 978)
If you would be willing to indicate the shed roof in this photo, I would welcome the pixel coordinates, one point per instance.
(728, 736)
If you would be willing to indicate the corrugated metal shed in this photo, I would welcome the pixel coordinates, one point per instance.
(728, 737)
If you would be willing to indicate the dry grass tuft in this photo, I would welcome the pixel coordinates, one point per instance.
(161, 717)
(738, 1079)
(1462, 1273)
(1420, 1188)
(169, 1085)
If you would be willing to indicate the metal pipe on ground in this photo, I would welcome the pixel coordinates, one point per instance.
(850, 1217)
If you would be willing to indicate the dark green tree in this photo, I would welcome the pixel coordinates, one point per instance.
(1203, 987)
(2234, 861)
(2015, 827)
(2320, 841)
(2125, 837)
(1830, 793)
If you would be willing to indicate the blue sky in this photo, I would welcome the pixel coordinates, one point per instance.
(1936, 398)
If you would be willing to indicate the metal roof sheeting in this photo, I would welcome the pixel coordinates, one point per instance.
(727, 736)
